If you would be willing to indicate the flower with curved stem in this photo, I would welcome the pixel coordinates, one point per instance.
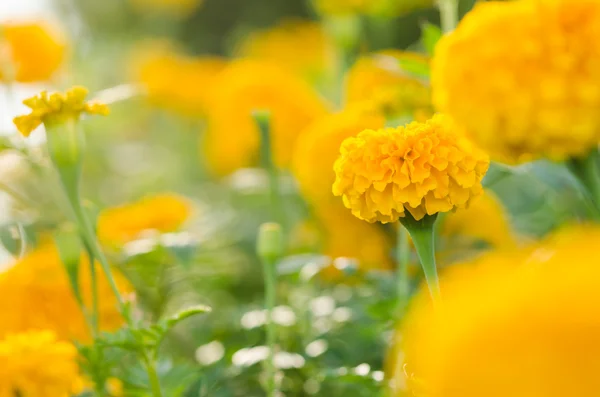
(533, 93)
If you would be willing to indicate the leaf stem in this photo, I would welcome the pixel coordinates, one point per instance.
(448, 14)
(403, 259)
(270, 283)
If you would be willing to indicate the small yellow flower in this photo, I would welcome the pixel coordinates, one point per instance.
(517, 325)
(177, 8)
(37, 295)
(176, 81)
(522, 78)
(36, 364)
(232, 140)
(424, 168)
(163, 213)
(114, 387)
(297, 45)
(30, 52)
(57, 108)
(379, 78)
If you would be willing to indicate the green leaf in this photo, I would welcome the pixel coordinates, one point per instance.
(69, 247)
(171, 321)
(430, 35)
(414, 68)
(12, 237)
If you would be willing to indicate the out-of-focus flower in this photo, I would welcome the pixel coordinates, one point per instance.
(374, 7)
(37, 364)
(300, 46)
(176, 81)
(485, 221)
(425, 168)
(512, 325)
(177, 8)
(114, 387)
(163, 213)
(380, 78)
(536, 91)
(318, 147)
(57, 108)
(232, 140)
(29, 52)
(37, 295)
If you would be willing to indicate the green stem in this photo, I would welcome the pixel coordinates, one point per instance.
(153, 376)
(270, 282)
(403, 259)
(448, 14)
(422, 234)
(95, 320)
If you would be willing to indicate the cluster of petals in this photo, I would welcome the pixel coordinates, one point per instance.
(425, 168)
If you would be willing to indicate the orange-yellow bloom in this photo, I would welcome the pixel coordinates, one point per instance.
(36, 364)
(57, 108)
(30, 52)
(163, 213)
(425, 168)
(522, 78)
(232, 140)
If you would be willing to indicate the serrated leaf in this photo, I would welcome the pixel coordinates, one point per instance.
(171, 321)
(430, 35)
(69, 247)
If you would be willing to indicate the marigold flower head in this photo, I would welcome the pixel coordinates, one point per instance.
(522, 77)
(177, 8)
(30, 51)
(37, 294)
(425, 168)
(379, 78)
(232, 139)
(176, 81)
(297, 45)
(57, 108)
(163, 213)
(37, 364)
(521, 325)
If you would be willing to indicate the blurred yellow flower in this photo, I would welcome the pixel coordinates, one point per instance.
(163, 213)
(57, 108)
(379, 78)
(424, 168)
(36, 294)
(533, 93)
(29, 52)
(485, 221)
(232, 140)
(114, 387)
(178, 8)
(519, 326)
(37, 364)
(376, 7)
(176, 81)
(296, 45)
(318, 147)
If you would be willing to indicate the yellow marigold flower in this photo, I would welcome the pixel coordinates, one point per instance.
(36, 364)
(37, 295)
(114, 387)
(379, 78)
(178, 8)
(511, 326)
(297, 45)
(57, 108)
(424, 168)
(164, 213)
(466, 226)
(318, 147)
(522, 78)
(176, 81)
(30, 52)
(232, 140)
(377, 7)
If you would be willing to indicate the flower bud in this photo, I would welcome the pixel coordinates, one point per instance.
(269, 244)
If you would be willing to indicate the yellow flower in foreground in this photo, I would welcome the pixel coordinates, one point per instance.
(163, 213)
(232, 140)
(178, 8)
(175, 81)
(379, 78)
(29, 51)
(535, 91)
(300, 46)
(513, 326)
(318, 147)
(424, 168)
(36, 364)
(57, 108)
(37, 295)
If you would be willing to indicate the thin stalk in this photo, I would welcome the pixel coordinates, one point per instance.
(153, 376)
(270, 282)
(448, 14)
(403, 259)
(95, 317)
